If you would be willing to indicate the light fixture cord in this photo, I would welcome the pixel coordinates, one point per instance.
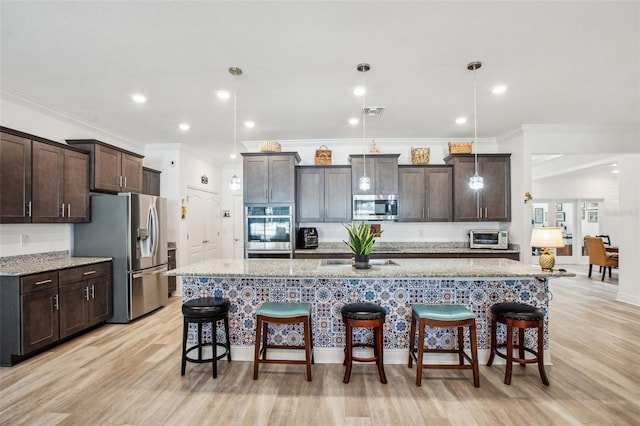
(235, 125)
(364, 128)
(475, 123)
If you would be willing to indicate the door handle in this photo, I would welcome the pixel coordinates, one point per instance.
(43, 282)
(93, 291)
(86, 292)
(62, 210)
(55, 302)
(69, 210)
(89, 273)
(125, 181)
(120, 182)
(29, 208)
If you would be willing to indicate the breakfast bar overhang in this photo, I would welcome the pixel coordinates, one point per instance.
(395, 284)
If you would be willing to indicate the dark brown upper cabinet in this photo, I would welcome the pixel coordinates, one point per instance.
(382, 169)
(42, 181)
(492, 203)
(150, 181)
(112, 169)
(15, 179)
(426, 193)
(269, 177)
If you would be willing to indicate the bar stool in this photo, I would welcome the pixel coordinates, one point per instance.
(366, 315)
(282, 313)
(200, 311)
(443, 316)
(521, 316)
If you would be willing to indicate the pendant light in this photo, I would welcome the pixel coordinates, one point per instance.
(234, 181)
(475, 182)
(364, 182)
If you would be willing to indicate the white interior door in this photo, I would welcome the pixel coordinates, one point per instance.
(211, 224)
(238, 227)
(203, 217)
(195, 231)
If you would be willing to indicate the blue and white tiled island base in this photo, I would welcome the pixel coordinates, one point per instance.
(474, 283)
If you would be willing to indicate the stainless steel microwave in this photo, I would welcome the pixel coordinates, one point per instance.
(489, 239)
(375, 207)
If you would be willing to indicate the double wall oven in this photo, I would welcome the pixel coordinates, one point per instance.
(268, 231)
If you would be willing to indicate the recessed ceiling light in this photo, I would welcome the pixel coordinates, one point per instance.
(359, 90)
(353, 121)
(614, 171)
(461, 120)
(138, 98)
(233, 156)
(223, 94)
(184, 126)
(498, 90)
(249, 124)
(614, 165)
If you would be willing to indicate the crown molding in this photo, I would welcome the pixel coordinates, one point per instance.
(25, 101)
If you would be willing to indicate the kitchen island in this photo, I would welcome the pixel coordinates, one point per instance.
(396, 284)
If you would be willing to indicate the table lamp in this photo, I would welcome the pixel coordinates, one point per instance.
(546, 238)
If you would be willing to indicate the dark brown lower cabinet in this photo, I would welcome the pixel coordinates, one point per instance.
(85, 297)
(37, 311)
(39, 307)
(171, 264)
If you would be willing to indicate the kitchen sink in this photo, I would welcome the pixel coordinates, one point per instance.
(327, 262)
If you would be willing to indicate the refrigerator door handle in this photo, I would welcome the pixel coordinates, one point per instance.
(151, 271)
(155, 237)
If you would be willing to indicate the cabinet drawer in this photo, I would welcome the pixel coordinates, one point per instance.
(37, 282)
(84, 272)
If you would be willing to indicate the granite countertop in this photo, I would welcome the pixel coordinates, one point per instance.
(403, 268)
(408, 247)
(43, 262)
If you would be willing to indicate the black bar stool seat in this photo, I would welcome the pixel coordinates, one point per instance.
(365, 315)
(205, 310)
(522, 317)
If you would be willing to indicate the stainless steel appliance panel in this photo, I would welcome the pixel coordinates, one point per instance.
(146, 231)
(269, 228)
(130, 228)
(148, 290)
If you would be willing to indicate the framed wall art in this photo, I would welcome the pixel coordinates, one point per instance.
(537, 214)
(592, 216)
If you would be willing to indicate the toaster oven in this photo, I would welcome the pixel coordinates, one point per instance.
(488, 239)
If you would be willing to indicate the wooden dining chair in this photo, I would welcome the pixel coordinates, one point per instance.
(598, 256)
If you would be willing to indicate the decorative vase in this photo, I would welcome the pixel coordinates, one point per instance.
(361, 261)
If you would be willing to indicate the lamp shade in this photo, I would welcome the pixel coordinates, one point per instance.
(546, 237)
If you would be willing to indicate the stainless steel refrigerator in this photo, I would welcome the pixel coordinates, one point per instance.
(130, 228)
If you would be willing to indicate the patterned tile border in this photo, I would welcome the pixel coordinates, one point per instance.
(327, 296)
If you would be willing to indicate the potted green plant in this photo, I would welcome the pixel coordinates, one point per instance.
(361, 241)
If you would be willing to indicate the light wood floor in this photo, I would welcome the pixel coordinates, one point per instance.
(130, 375)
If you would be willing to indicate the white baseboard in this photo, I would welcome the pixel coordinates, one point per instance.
(336, 355)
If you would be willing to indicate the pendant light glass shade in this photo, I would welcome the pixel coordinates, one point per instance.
(364, 183)
(234, 181)
(475, 182)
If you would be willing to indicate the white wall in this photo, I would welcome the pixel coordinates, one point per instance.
(620, 140)
(55, 126)
(629, 222)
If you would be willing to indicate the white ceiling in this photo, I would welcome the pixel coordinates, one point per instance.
(563, 62)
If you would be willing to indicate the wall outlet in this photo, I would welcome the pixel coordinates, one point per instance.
(24, 239)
